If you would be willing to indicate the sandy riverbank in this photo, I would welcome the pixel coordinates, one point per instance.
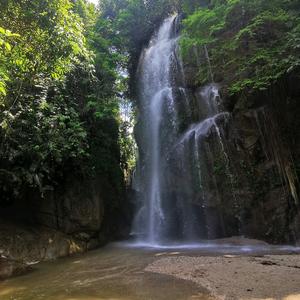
(236, 277)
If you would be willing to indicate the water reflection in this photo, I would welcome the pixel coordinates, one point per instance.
(110, 273)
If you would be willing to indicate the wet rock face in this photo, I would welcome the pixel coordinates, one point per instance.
(72, 219)
(262, 144)
(21, 246)
(257, 188)
(9, 268)
(91, 211)
(245, 180)
(78, 210)
(253, 189)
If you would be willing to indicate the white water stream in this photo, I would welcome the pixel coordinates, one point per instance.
(167, 212)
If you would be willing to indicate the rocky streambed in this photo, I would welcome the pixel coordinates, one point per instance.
(220, 270)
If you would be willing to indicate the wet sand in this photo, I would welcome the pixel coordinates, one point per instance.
(237, 277)
(127, 273)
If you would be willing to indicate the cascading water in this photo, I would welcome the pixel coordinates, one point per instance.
(175, 191)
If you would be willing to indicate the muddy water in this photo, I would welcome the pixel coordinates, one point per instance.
(117, 272)
(112, 273)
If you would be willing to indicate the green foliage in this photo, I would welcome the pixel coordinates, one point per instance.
(126, 138)
(133, 21)
(252, 43)
(49, 32)
(58, 93)
(62, 75)
(6, 37)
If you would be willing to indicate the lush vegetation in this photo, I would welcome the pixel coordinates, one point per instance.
(58, 95)
(64, 87)
(250, 43)
(65, 67)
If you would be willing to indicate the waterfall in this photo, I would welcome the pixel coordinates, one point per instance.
(177, 193)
